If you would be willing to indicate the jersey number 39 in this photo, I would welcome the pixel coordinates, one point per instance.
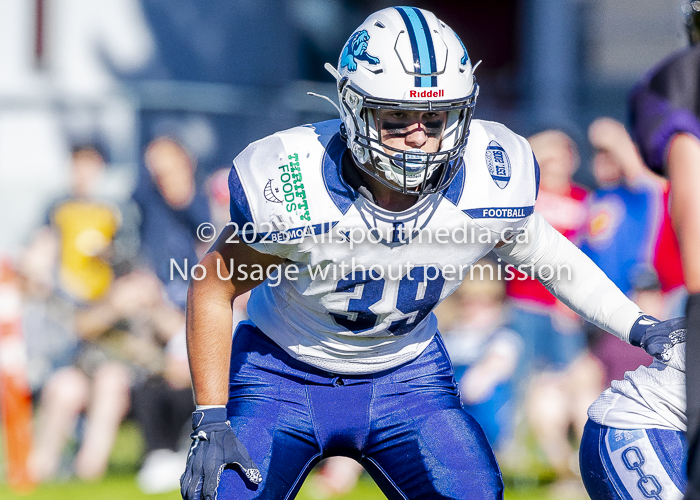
(419, 291)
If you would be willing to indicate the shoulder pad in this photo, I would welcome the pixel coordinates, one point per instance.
(501, 177)
(291, 180)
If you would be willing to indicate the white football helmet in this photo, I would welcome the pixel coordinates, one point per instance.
(404, 58)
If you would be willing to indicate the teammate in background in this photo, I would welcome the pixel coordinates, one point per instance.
(634, 443)
(665, 115)
(341, 356)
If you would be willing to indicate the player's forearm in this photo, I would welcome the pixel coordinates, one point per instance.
(684, 171)
(572, 277)
(209, 325)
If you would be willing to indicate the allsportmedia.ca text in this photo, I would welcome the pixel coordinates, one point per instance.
(396, 233)
(292, 272)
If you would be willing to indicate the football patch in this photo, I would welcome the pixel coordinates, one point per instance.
(498, 164)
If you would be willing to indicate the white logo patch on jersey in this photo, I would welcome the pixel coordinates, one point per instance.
(498, 164)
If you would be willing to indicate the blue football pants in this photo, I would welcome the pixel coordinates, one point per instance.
(405, 426)
(632, 464)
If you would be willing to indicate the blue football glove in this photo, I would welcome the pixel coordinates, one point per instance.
(214, 445)
(664, 340)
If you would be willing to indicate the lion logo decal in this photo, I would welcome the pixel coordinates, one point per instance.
(356, 50)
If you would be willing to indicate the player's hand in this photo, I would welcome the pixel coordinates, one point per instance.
(664, 340)
(214, 445)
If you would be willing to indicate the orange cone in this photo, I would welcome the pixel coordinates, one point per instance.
(15, 394)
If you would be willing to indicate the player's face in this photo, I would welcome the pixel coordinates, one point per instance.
(406, 130)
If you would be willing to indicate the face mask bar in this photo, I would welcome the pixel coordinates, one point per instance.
(438, 169)
(429, 164)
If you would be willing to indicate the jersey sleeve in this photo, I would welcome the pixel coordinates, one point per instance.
(279, 195)
(571, 276)
(501, 180)
(260, 200)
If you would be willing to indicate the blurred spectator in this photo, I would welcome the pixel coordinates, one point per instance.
(564, 380)
(551, 333)
(483, 350)
(219, 197)
(163, 404)
(75, 245)
(115, 334)
(629, 237)
(171, 211)
(47, 319)
(85, 227)
(125, 334)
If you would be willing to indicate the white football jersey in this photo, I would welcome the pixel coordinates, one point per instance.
(357, 293)
(648, 397)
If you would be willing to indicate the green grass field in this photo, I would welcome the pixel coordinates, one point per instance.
(120, 487)
(528, 481)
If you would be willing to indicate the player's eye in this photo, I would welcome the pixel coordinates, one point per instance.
(434, 123)
(434, 127)
(398, 116)
(396, 128)
(401, 123)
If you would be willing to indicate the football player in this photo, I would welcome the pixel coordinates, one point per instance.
(349, 233)
(665, 113)
(634, 442)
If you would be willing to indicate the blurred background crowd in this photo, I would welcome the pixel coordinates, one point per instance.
(118, 123)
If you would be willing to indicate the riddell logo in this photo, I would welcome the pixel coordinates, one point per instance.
(426, 93)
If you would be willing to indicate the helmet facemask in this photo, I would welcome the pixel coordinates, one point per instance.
(411, 171)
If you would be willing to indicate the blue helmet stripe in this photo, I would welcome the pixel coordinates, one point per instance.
(421, 44)
(431, 49)
(414, 44)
